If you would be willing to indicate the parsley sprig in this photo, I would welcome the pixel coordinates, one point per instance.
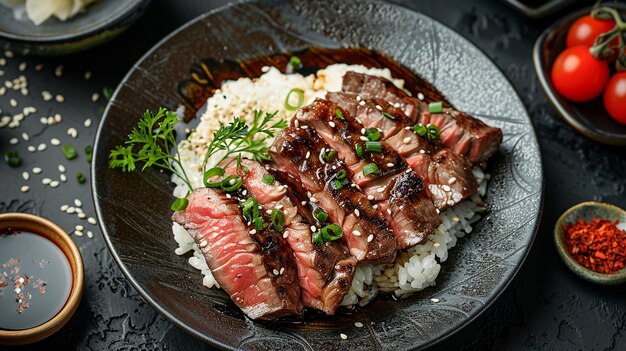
(237, 137)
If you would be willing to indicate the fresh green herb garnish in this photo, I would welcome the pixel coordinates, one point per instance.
(13, 158)
(339, 114)
(328, 156)
(330, 232)
(269, 179)
(180, 204)
(435, 107)
(295, 62)
(389, 115)
(300, 94)
(69, 152)
(370, 168)
(373, 146)
(430, 132)
(337, 184)
(342, 174)
(359, 150)
(89, 152)
(372, 134)
(231, 183)
(320, 214)
(108, 93)
(80, 177)
(215, 171)
(278, 220)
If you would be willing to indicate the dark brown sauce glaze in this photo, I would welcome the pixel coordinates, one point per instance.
(208, 76)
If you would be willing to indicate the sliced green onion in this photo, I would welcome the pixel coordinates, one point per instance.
(331, 232)
(89, 152)
(337, 184)
(231, 183)
(420, 129)
(215, 171)
(317, 238)
(250, 209)
(278, 220)
(339, 114)
(295, 62)
(259, 224)
(320, 214)
(269, 179)
(80, 177)
(435, 107)
(372, 134)
(108, 93)
(328, 156)
(359, 150)
(370, 168)
(13, 158)
(342, 174)
(389, 115)
(374, 146)
(300, 94)
(69, 152)
(433, 132)
(179, 204)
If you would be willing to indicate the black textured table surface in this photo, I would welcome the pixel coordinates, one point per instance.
(546, 307)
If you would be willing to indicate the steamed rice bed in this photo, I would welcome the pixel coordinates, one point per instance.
(413, 270)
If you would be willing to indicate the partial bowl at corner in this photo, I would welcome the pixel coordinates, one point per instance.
(54, 233)
(588, 211)
(590, 119)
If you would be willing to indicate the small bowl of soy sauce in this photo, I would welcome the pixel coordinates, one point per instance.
(41, 278)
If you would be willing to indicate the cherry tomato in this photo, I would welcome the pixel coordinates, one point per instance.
(578, 76)
(615, 97)
(586, 29)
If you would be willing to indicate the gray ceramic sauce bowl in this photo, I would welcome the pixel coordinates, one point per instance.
(587, 211)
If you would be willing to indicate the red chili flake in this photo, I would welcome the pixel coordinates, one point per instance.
(598, 245)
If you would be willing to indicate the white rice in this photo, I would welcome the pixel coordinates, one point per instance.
(415, 269)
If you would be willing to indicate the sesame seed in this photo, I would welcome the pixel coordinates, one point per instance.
(3, 61)
(437, 210)
(39, 67)
(59, 98)
(313, 200)
(24, 188)
(41, 147)
(25, 175)
(343, 336)
(332, 124)
(308, 154)
(389, 211)
(14, 141)
(8, 54)
(303, 203)
(296, 123)
(46, 95)
(95, 97)
(406, 140)
(228, 196)
(25, 136)
(422, 151)
(64, 208)
(358, 324)
(362, 103)
(304, 127)
(80, 227)
(253, 231)
(82, 215)
(269, 212)
(420, 96)
(63, 178)
(78, 233)
(435, 300)
(375, 206)
(54, 183)
(61, 168)
(87, 123)
(89, 234)
(279, 207)
(3, 90)
(370, 197)
(313, 228)
(36, 170)
(379, 108)
(32, 148)
(370, 238)
(358, 98)
(72, 132)
(275, 271)
(451, 180)
(364, 138)
(91, 220)
(58, 71)
(436, 244)
(58, 118)
(46, 181)
(380, 190)
(357, 212)
(55, 142)
(390, 164)
(407, 128)
(455, 219)
(282, 270)
(78, 210)
(22, 66)
(356, 233)
(78, 203)
(445, 188)
(87, 75)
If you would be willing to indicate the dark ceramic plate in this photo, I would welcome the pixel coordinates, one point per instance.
(134, 212)
(100, 22)
(590, 119)
(539, 8)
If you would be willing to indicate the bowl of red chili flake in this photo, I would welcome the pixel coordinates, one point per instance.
(591, 240)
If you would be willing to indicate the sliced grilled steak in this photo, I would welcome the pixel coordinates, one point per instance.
(325, 271)
(448, 177)
(298, 152)
(462, 133)
(342, 132)
(256, 270)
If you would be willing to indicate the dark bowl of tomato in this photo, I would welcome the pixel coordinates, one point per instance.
(590, 118)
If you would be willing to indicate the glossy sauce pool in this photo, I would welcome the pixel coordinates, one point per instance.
(35, 280)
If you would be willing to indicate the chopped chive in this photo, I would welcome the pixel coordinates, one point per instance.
(80, 177)
(420, 129)
(339, 114)
(389, 115)
(89, 152)
(259, 224)
(435, 107)
(13, 158)
(215, 171)
(328, 156)
(372, 134)
(317, 238)
(278, 220)
(342, 174)
(433, 132)
(337, 184)
(373, 146)
(250, 209)
(295, 62)
(179, 204)
(269, 179)
(331, 232)
(320, 214)
(69, 152)
(370, 168)
(231, 183)
(300, 94)
(359, 150)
